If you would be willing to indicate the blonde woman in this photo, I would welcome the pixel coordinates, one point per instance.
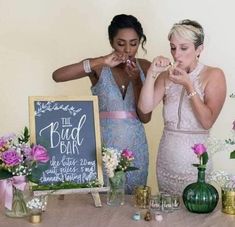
(193, 95)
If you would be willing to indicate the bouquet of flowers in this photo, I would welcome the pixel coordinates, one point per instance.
(17, 161)
(201, 152)
(116, 163)
(17, 157)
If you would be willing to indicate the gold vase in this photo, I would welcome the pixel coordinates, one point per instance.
(228, 201)
(142, 196)
(35, 218)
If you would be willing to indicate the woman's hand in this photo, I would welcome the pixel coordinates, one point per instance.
(179, 76)
(115, 59)
(158, 65)
(132, 70)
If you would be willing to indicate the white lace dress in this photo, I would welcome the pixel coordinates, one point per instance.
(181, 131)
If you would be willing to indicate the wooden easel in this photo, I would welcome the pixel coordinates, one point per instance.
(62, 192)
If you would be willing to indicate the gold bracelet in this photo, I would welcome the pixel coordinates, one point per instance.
(191, 94)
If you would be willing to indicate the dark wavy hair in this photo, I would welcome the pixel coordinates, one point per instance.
(126, 21)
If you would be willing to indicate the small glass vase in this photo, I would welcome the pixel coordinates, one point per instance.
(200, 197)
(35, 204)
(19, 209)
(116, 192)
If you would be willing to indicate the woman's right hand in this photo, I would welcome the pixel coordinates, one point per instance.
(158, 65)
(115, 59)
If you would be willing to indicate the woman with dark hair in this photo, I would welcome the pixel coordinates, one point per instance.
(193, 95)
(117, 79)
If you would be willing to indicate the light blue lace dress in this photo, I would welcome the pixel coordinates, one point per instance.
(181, 131)
(122, 133)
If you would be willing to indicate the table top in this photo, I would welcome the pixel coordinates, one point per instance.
(79, 210)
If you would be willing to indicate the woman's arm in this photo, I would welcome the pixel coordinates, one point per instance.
(76, 71)
(215, 92)
(137, 86)
(153, 88)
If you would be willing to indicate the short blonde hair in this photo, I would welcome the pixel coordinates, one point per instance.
(190, 30)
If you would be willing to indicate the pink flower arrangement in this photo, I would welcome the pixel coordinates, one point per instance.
(115, 160)
(200, 150)
(18, 158)
(39, 154)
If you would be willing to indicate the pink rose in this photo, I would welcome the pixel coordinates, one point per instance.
(39, 154)
(11, 157)
(199, 149)
(127, 154)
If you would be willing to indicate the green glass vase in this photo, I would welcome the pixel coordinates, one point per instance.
(200, 197)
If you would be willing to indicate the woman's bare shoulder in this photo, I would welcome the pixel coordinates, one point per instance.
(211, 71)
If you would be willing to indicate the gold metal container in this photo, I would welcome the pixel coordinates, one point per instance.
(35, 218)
(228, 201)
(142, 196)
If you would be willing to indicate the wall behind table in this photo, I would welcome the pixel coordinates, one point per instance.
(36, 37)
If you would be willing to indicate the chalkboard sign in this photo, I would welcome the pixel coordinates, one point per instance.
(69, 128)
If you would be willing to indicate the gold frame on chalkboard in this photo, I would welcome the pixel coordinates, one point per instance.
(94, 100)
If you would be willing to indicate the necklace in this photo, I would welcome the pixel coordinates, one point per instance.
(123, 88)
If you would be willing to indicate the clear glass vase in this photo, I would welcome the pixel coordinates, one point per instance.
(19, 208)
(116, 192)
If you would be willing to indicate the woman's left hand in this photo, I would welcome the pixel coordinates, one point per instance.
(179, 76)
(132, 70)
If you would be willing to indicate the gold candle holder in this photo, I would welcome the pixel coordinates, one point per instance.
(142, 196)
(35, 218)
(228, 201)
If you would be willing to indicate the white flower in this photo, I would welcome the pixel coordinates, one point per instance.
(223, 179)
(110, 160)
(35, 203)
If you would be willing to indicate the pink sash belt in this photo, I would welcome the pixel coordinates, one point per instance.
(118, 115)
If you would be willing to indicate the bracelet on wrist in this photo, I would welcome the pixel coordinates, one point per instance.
(87, 66)
(155, 75)
(191, 94)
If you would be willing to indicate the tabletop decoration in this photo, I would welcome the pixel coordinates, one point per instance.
(158, 217)
(136, 216)
(223, 179)
(116, 163)
(35, 206)
(142, 195)
(148, 216)
(18, 159)
(200, 197)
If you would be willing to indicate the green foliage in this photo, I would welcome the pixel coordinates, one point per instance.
(65, 185)
(232, 155)
(25, 137)
(4, 174)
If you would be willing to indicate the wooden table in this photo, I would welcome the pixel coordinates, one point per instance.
(78, 210)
